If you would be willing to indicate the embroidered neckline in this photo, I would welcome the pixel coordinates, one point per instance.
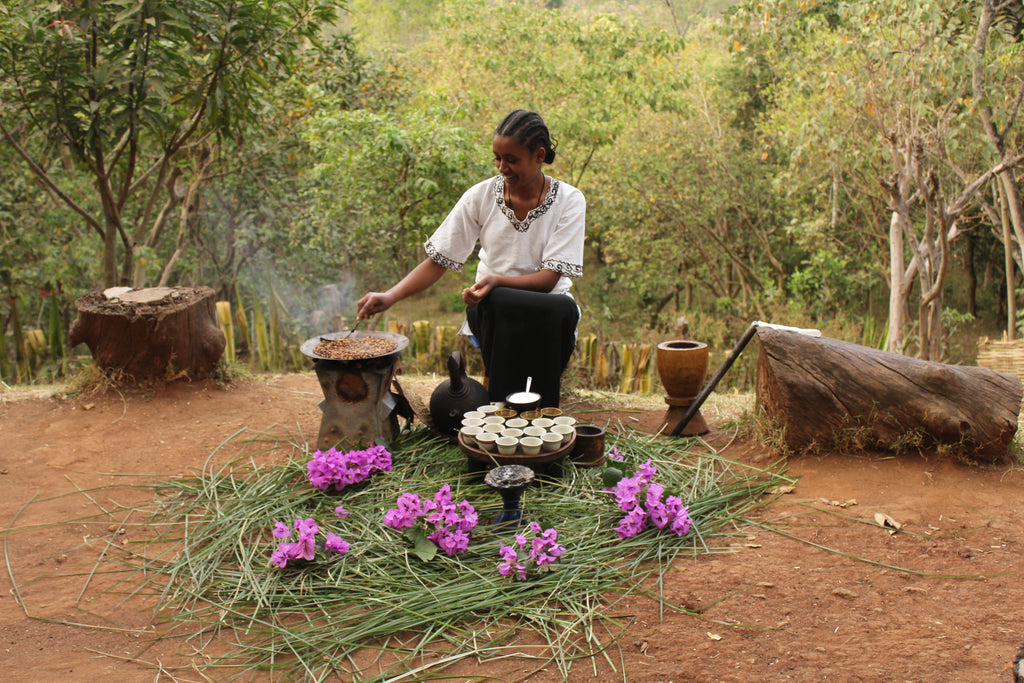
(533, 214)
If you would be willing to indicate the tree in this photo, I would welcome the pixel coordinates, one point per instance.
(587, 77)
(382, 182)
(888, 82)
(254, 209)
(994, 52)
(135, 96)
(612, 92)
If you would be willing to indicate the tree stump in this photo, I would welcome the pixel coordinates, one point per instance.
(831, 394)
(159, 333)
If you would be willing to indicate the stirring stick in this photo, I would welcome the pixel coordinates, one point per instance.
(353, 329)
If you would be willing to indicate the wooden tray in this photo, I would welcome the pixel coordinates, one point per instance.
(542, 458)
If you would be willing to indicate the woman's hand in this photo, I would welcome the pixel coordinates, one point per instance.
(475, 293)
(418, 279)
(541, 281)
(373, 303)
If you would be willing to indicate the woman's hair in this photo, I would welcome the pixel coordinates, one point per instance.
(528, 129)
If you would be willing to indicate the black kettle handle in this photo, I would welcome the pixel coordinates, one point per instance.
(456, 372)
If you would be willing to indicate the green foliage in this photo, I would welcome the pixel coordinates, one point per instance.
(729, 177)
(112, 95)
(383, 182)
(587, 78)
(845, 91)
(392, 26)
(826, 283)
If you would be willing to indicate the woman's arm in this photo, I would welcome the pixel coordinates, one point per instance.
(541, 281)
(419, 278)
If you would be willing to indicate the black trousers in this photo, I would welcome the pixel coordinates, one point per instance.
(525, 334)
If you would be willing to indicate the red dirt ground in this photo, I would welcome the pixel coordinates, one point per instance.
(824, 594)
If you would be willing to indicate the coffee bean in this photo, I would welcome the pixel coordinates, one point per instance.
(352, 348)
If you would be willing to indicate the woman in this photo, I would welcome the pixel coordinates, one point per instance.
(530, 228)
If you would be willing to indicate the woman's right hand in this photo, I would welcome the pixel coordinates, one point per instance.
(371, 304)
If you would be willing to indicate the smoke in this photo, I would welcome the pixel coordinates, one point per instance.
(309, 308)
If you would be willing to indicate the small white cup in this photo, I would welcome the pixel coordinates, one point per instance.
(565, 420)
(494, 419)
(565, 431)
(488, 409)
(544, 422)
(507, 445)
(473, 415)
(517, 422)
(487, 441)
(550, 442)
(494, 427)
(534, 431)
(469, 434)
(471, 422)
(530, 445)
(509, 431)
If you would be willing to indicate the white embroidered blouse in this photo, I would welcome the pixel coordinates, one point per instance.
(549, 238)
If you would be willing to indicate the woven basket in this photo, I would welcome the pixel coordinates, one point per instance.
(1002, 356)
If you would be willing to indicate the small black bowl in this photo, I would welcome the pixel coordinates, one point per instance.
(521, 401)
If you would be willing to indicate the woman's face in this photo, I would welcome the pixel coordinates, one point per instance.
(516, 163)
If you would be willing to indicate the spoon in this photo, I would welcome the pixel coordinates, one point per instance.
(529, 381)
(358, 320)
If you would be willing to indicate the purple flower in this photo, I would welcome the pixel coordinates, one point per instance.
(443, 497)
(469, 515)
(305, 547)
(279, 559)
(451, 522)
(642, 501)
(679, 515)
(446, 516)
(408, 510)
(615, 455)
(655, 508)
(510, 562)
(633, 523)
(340, 512)
(451, 541)
(647, 471)
(336, 544)
(399, 519)
(307, 528)
(544, 550)
(343, 469)
(627, 492)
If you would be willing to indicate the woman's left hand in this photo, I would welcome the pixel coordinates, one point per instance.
(475, 293)
(541, 281)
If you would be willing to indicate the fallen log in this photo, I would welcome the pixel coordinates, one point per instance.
(829, 394)
(158, 333)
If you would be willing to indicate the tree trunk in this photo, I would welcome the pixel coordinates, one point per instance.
(159, 333)
(972, 277)
(1011, 294)
(898, 286)
(831, 394)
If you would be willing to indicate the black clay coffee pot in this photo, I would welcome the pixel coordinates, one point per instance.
(456, 395)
